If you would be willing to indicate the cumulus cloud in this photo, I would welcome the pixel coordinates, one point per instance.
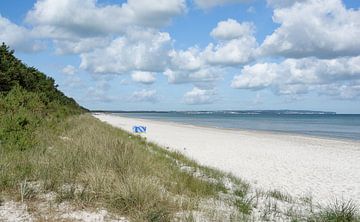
(342, 91)
(145, 50)
(199, 96)
(18, 37)
(231, 29)
(325, 29)
(69, 70)
(299, 76)
(156, 13)
(204, 75)
(189, 66)
(233, 52)
(87, 18)
(77, 46)
(189, 60)
(143, 77)
(144, 96)
(207, 4)
(78, 26)
(237, 44)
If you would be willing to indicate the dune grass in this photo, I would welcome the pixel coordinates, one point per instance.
(93, 165)
(338, 211)
(90, 163)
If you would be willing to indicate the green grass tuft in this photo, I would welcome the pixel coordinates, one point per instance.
(338, 211)
(279, 195)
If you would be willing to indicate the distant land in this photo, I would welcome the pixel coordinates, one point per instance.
(243, 112)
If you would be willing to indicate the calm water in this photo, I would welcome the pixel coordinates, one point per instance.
(324, 125)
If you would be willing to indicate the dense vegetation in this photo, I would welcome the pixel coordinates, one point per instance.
(28, 99)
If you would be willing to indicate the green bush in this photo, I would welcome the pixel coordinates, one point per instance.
(21, 112)
(28, 99)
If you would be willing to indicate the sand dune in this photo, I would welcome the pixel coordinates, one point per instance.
(299, 165)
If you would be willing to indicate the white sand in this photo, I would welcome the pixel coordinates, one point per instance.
(298, 165)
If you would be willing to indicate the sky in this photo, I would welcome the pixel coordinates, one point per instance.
(193, 54)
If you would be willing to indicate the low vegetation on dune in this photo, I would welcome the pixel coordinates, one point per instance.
(60, 163)
(94, 165)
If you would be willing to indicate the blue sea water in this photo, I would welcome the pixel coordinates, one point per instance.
(343, 126)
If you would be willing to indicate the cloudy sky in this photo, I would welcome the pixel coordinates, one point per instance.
(193, 54)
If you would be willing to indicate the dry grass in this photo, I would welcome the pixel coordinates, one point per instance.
(93, 165)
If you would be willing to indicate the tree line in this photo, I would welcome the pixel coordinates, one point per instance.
(28, 99)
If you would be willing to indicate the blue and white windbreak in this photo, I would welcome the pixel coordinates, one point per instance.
(139, 129)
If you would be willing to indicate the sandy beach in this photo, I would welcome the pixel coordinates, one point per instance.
(298, 165)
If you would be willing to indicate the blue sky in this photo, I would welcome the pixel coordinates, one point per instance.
(193, 55)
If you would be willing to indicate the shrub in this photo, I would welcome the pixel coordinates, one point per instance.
(21, 112)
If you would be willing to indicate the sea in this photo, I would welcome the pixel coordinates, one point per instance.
(312, 123)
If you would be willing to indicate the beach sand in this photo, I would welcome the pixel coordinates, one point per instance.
(326, 169)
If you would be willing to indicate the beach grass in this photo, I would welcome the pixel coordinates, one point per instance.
(337, 211)
(93, 165)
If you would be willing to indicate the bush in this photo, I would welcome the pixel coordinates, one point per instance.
(21, 112)
(28, 99)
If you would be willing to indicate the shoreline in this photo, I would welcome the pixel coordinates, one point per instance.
(256, 131)
(295, 164)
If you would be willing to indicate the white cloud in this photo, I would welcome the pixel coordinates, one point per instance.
(189, 66)
(156, 13)
(18, 37)
(199, 96)
(183, 76)
(145, 50)
(77, 46)
(69, 70)
(299, 76)
(78, 26)
(76, 18)
(207, 4)
(256, 77)
(88, 18)
(321, 28)
(231, 29)
(237, 44)
(189, 60)
(144, 96)
(143, 77)
(342, 91)
(233, 52)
